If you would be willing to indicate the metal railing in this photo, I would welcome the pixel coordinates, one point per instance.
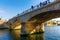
(41, 4)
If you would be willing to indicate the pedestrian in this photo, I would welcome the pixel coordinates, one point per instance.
(32, 7)
(48, 1)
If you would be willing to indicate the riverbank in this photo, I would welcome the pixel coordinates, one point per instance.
(51, 25)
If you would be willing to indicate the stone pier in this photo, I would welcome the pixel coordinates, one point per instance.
(23, 32)
(31, 30)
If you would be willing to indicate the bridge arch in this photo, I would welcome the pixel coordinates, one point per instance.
(37, 17)
(38, 20)
(45, 16)
(14, 24)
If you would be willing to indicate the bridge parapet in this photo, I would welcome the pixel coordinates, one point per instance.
(40, 5)
(35, 7)
(37, 10)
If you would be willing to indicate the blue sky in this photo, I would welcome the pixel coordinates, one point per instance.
(10, 8)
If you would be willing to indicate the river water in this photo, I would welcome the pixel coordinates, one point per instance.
(51, 33)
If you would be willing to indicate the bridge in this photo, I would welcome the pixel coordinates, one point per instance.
(32, 21)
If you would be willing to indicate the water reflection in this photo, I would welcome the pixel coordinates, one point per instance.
(16, 36)
(5, 35)
(33, 37)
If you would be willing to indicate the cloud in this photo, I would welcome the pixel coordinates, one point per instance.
(2, 11)
(56, 19)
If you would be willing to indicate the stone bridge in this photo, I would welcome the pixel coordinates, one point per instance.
(32, 21)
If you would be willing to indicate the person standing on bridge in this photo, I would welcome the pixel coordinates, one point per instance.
(32, 7)
(41, 4)
(48, 1)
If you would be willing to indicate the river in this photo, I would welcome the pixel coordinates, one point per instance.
(50, 33)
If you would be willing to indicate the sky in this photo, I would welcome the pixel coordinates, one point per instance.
(56, 19)
(10, 8)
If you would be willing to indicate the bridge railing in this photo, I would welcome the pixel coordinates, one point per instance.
(41, 4)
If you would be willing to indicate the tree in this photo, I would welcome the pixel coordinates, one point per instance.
(0, 18)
